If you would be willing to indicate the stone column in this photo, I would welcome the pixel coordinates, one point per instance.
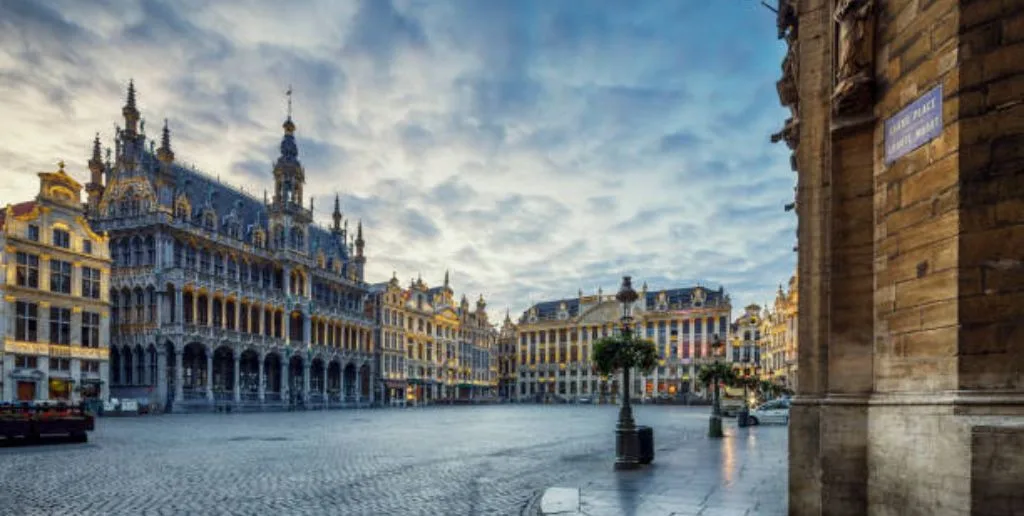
(358, 386)
(161, 376)
(373, 384)
(323, 387)
(209, 373)
(307, 327)
(306, 366)
(179, 306)
(159, 316)
(262, 385)
(179, 388)
(284, 378)
(238, 363)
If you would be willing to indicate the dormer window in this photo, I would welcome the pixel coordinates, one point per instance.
(209, 220)
(61, 238)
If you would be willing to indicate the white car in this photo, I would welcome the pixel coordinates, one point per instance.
(775, 411)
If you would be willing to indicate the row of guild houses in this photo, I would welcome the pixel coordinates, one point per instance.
(169, 286)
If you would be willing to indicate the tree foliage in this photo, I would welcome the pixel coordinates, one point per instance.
(717, 372)
(617, 352)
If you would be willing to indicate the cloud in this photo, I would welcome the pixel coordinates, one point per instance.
(532, 147)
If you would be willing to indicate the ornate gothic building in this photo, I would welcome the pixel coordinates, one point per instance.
(221, 299)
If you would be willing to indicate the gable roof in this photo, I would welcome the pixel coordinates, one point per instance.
(18, 209)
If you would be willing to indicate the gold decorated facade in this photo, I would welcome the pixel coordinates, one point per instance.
(54, 321)
(432, 349)
(778, 327)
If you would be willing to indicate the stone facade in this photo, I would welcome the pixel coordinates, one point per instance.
(220, 299)
(911, 369)
(54, 316)
(555, 339)
(507, 356)
(779, 343)
(433, 351)
(745, 352)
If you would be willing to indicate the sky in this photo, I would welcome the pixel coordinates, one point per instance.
(532, 148)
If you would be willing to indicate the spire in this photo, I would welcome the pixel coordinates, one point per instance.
(337, 214)
(359, 241)
(96, 162)
(289, 126)
(130, 112)
(164, 153)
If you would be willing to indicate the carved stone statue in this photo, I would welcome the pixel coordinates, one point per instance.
(855, 52)
(786, 19)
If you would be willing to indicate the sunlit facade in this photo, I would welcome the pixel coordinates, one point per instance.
(55, 314)
(746, 341)
(555, 340)
(220, 299)
(779, 342)
(433, 350)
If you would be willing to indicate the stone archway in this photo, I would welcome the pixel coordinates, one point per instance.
(272, 377)
(194, 375)
(223, 373)
(334, 381)
(316, 380)
(349, 382)
(365, 382)
(248, 375)
(296, 381)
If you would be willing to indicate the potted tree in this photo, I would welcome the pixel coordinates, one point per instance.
(716, 374)
(621, 353)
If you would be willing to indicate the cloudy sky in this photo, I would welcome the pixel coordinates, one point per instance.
(532, 148)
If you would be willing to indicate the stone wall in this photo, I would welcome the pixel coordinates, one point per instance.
(912, 270)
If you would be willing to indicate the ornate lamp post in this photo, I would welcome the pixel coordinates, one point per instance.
(627, 442)
(715, 423)
(627, 296)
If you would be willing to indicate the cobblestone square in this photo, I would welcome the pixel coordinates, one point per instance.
(439, 460)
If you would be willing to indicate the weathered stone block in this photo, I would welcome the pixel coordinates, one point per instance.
(930, 181)
(997, 469)
(937, 286)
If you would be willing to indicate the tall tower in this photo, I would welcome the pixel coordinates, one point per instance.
(289, 176)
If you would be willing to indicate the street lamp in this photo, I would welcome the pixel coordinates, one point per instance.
(627, 296)
(717, 351)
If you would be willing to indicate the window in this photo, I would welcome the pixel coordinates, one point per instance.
(33, 232)
(26, 321)
(61, 238)
(60, 325)
(90, 282)
(60, 276)
(90, 330)
(60, 364)
(28, 270)
(25, 362)
(87, 246)
(90, 366)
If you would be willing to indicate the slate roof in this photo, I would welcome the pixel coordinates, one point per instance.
(678, 299)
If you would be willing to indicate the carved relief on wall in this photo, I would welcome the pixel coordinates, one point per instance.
(855, 57)
(788, 86)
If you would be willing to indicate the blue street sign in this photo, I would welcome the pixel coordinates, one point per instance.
(914, 126)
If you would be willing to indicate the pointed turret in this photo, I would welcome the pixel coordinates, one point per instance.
(96, 168)
(481, 304)
(130, 112)
(446, 284)
(336, 216)
(164, 153)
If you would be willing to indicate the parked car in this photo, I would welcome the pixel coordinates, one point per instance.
(775, 411)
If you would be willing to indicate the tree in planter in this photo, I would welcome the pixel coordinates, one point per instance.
(716, 374)
(621, 353)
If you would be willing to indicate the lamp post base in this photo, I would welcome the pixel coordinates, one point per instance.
(627, 449)
(715, 427)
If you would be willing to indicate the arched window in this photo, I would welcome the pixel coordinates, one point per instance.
(150, 250)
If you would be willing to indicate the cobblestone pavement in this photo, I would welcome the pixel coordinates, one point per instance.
(441, 460)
